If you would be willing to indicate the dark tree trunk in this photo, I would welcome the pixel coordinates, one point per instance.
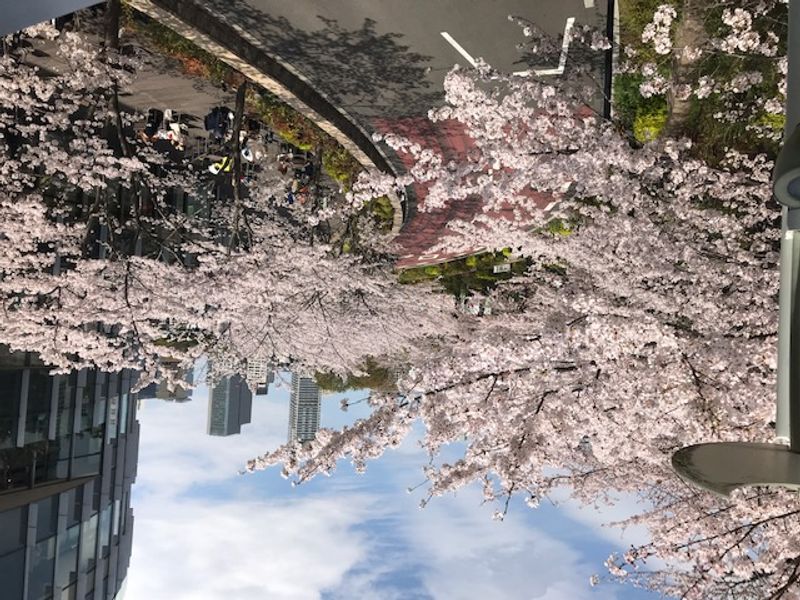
(113, 14)
(238, 117)
(690, 33)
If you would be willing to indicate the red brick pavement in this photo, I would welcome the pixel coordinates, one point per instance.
(428, 228)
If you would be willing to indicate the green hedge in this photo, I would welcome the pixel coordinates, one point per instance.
(647, 126)
(472, 273)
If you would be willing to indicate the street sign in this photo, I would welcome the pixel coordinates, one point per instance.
(502, 268)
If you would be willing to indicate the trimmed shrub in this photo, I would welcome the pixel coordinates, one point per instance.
(648, 126)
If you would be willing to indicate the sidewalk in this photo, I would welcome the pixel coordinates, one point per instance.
(425, 229)
(162, 83)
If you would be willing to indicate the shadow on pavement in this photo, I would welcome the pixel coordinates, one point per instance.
(360, 70)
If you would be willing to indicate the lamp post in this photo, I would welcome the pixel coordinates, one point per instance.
(724, 466)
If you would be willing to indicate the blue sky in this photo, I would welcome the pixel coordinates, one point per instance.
(203, 532)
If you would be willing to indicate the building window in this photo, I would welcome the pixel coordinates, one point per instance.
(105, 530)
(37, 417)
(12, 571)
(67, 564)
(40, 569)
(113, 405)
(89, 439)
(70, 593)
(13, 527)
(64, 424)
(46, 517)
(88, 544)
(101, 399)
(115, 530)
(13, 524)
(124, 512)
(10, 384)
(124, 399)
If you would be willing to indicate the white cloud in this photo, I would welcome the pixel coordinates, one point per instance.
(234, 546)
(208, 550)
(353, 538)
(175, 451)
(470, 556)
(599, 517)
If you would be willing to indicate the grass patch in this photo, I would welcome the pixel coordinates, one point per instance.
(383, 212)
(340, 165)
(470, 274)
(635, 112)
(301, 132)
(634, 15)
(559, 227)
(647, 126)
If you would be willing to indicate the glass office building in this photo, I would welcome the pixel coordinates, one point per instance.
(68, 452)
(230, 406)
(304, 409)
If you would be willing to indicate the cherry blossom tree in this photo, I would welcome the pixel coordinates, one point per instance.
(163, 288)
(649, 325)
(646, 323)
(731, 50)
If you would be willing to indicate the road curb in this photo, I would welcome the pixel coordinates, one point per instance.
(241, 51)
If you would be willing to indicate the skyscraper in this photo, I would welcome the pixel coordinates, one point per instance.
(258, 374)
(230, 406)
(263, 388)
(68, 452)
(304, 409)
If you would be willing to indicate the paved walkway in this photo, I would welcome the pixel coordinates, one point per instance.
(427, 228)
(162, 83)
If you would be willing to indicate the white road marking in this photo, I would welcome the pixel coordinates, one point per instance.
(459, 48)
(588, 3)
(562, 60)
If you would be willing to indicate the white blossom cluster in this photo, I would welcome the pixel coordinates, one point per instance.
(654, 83)
(657, 32)
(742, 37)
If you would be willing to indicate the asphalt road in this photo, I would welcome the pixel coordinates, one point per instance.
(388, 59)
(383, 62)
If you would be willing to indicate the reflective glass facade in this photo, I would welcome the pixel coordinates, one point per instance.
(304, 409)
(68, 451)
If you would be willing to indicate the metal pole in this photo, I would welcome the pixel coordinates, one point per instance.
(788, 388)
(782, 418)
(793, 355)
(608, 79)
